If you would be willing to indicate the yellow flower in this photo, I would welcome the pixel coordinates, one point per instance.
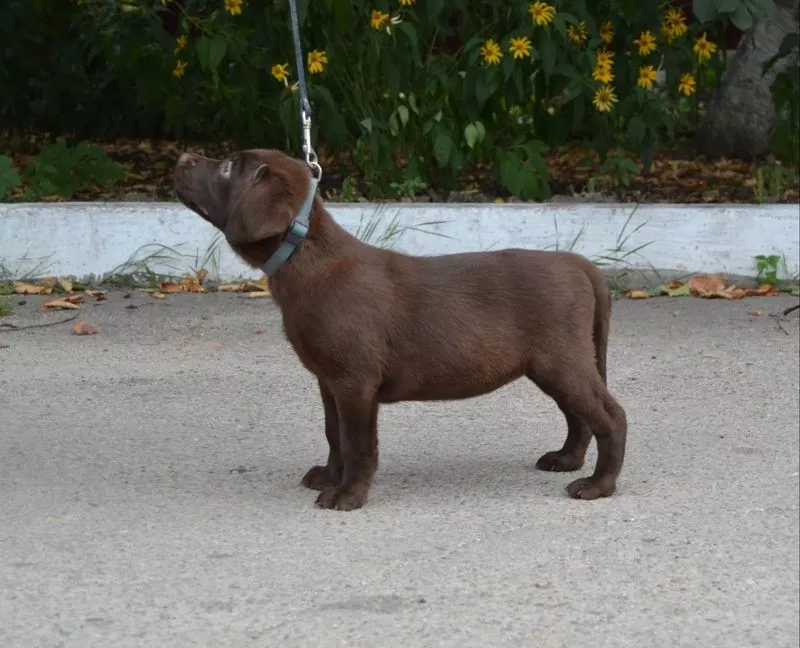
(280, 72)
(704, 48)
(604, 58)
(234, 7)
(491, 52)
(179, 70)
(647, 76)
(577, 34)
(520, 48)
(607, 32)
(603, 74)
(646, 43)
(180, 43)
(407, 3)
(674, 25)
(378, 19)
(687, 84)
(541, 12)
(676, 22)
(317, 60)
(604, 99)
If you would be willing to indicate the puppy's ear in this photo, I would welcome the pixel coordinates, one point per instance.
(260, 211)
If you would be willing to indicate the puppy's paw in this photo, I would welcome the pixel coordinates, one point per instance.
(559, 461)
(318, 478)
(589, 488)
(347, 498)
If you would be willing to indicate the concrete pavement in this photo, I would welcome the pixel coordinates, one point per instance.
(150, 496)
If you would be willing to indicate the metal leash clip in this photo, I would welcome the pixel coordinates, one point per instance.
(311, 156)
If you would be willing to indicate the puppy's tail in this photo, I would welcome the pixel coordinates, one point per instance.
(602, 318)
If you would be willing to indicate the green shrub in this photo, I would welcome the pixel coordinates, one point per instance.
(417, 90)
(9, 178)
(59, 170)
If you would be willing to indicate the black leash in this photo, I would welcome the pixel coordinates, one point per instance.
(305, 106)
(298, 228)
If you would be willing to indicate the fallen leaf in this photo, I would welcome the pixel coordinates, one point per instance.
(98, 295)
(202, 273)
(158, 295)
(262, 285)
(675, 289)
(66, 285)
(707, 286)
(84, 328)
(62, 304)
(636, 294)
(172, 287)
(259, 293)
(22, 288)
(192, 284)
(231, 287)
(755, 312)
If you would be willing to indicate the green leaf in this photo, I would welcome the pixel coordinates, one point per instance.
(548, 52)
(216, 52)
(728, 6)
(367, 124)
(704, 10)
(411, 33)
(202, 47)
(412, 101)
(470, 135)
(481, 130)
(442, 147)
(403, 114)
(742, 18)
(636, 130)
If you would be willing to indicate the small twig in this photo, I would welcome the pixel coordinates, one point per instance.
(791, 308)
(5, 327)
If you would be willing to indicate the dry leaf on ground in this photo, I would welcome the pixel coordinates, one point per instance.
(69, 302)
(23, 288)
(764, 290)
(636, 294)
(98, 295)
(171, 287)
(233, 287)
(84, 328)
(675, 289)
(707, 286)
(158, 295)
(192, 284)
(259, 293)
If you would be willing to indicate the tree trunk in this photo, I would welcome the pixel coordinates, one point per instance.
(740, 115)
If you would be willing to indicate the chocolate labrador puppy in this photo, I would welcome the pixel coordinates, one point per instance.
(376, 326)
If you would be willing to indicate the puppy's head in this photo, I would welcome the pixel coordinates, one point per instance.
(250, 196)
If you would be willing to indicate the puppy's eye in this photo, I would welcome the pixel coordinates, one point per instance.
(225, 169)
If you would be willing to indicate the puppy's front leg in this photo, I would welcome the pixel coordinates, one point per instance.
(358, 438)
(318, 477)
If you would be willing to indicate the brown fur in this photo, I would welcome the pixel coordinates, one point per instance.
(375, 326)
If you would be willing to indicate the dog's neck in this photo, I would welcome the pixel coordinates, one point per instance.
(327, 245)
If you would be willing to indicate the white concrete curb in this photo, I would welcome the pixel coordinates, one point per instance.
(83, 239)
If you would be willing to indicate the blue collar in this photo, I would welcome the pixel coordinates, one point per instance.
(297, 232)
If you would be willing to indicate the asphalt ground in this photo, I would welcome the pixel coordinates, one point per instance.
(150, 492)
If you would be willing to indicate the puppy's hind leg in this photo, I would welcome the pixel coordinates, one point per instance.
(582, 395)
(573, 453)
